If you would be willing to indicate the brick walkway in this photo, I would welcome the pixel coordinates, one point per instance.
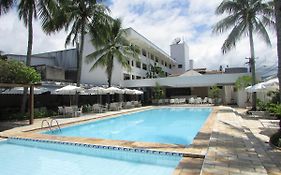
(238, 147)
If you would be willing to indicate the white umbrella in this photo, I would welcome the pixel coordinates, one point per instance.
(272, 84)
(97, 91)
(138, 92)
(256, 88)
(128, 91)
(69, 90)
(19, 90)
(114, 90)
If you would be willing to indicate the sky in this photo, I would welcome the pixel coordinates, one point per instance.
(161, 22)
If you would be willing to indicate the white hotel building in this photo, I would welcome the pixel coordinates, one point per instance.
(181, 80)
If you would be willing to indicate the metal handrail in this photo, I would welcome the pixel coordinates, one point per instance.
(49, 126)
(56, 122)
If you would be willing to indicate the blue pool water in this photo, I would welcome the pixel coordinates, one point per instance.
(164, 125)
(33, 158)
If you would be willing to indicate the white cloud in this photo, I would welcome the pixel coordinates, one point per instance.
(159, 21)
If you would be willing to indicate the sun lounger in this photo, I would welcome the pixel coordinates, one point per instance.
(172, 101)
(191, 100)
(61, 110)
(210, 101)
(205, 100)
(198, 100)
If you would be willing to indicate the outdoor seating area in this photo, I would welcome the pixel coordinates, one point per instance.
(75, 111)
(191, 100)
(70, 111)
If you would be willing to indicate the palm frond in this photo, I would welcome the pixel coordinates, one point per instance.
(233, 37)
(261, 30)
(228, 6)
(226, 23)
(6, 5)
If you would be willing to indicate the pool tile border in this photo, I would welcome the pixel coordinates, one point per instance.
(126, 149)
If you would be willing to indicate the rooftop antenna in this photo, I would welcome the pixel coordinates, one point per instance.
(177, 40)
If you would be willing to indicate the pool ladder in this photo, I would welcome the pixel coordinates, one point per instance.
(50, 124)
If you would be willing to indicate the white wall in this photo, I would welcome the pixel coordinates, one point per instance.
(98, 75)
(180, 52)
(182, 81)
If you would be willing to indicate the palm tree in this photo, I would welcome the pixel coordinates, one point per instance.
(244, 18)
(155, 72)
(76, 15)
(111, 43)
(28, 11)
(277, 6)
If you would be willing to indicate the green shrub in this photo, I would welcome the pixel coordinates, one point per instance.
(87, 108)
(18, 73)
(262, 106)
(275, 139)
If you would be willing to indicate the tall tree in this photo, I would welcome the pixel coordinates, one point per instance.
(111, 43)
(76, 16)
(277, 5)
(28, 10)
(244, 18)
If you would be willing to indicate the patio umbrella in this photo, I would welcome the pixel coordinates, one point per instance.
(69, 90)
(128, 91)
(256, 88)
(272, 84)
(137, 92)
(97, 91)
(19, 90)
(114, 90)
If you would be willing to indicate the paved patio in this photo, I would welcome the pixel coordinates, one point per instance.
(239, 145)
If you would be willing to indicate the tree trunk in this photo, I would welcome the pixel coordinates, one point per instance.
(109, 71)
(277, 4)
(79, 61)
(28, 55)
(253, 67)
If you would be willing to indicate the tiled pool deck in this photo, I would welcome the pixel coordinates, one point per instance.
(227, 144)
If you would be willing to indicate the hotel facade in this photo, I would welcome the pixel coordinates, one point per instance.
(180, 78)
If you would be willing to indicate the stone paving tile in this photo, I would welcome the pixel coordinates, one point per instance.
(231, 151)
(240, 146)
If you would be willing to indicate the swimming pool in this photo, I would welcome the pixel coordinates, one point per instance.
(25, 157)
(164, 125)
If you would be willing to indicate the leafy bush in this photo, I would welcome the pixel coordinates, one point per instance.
(275, 139)
(262, 106)
(43, 112)
(243, 82)
(87, 108)
(17, 72)
(159, 91)
(214, 92)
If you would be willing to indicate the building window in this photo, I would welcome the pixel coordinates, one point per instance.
(138, 77)
(128, 62)
(133, 77)
(144, 52)
(144, 66)
(162, 62)
(126, 76)
(156, 59)
(180, 66)
(166, 73)
(170, 66)
(152, 57)
(138, 64)
(143, 77)
(133, 63)
(165, 64)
